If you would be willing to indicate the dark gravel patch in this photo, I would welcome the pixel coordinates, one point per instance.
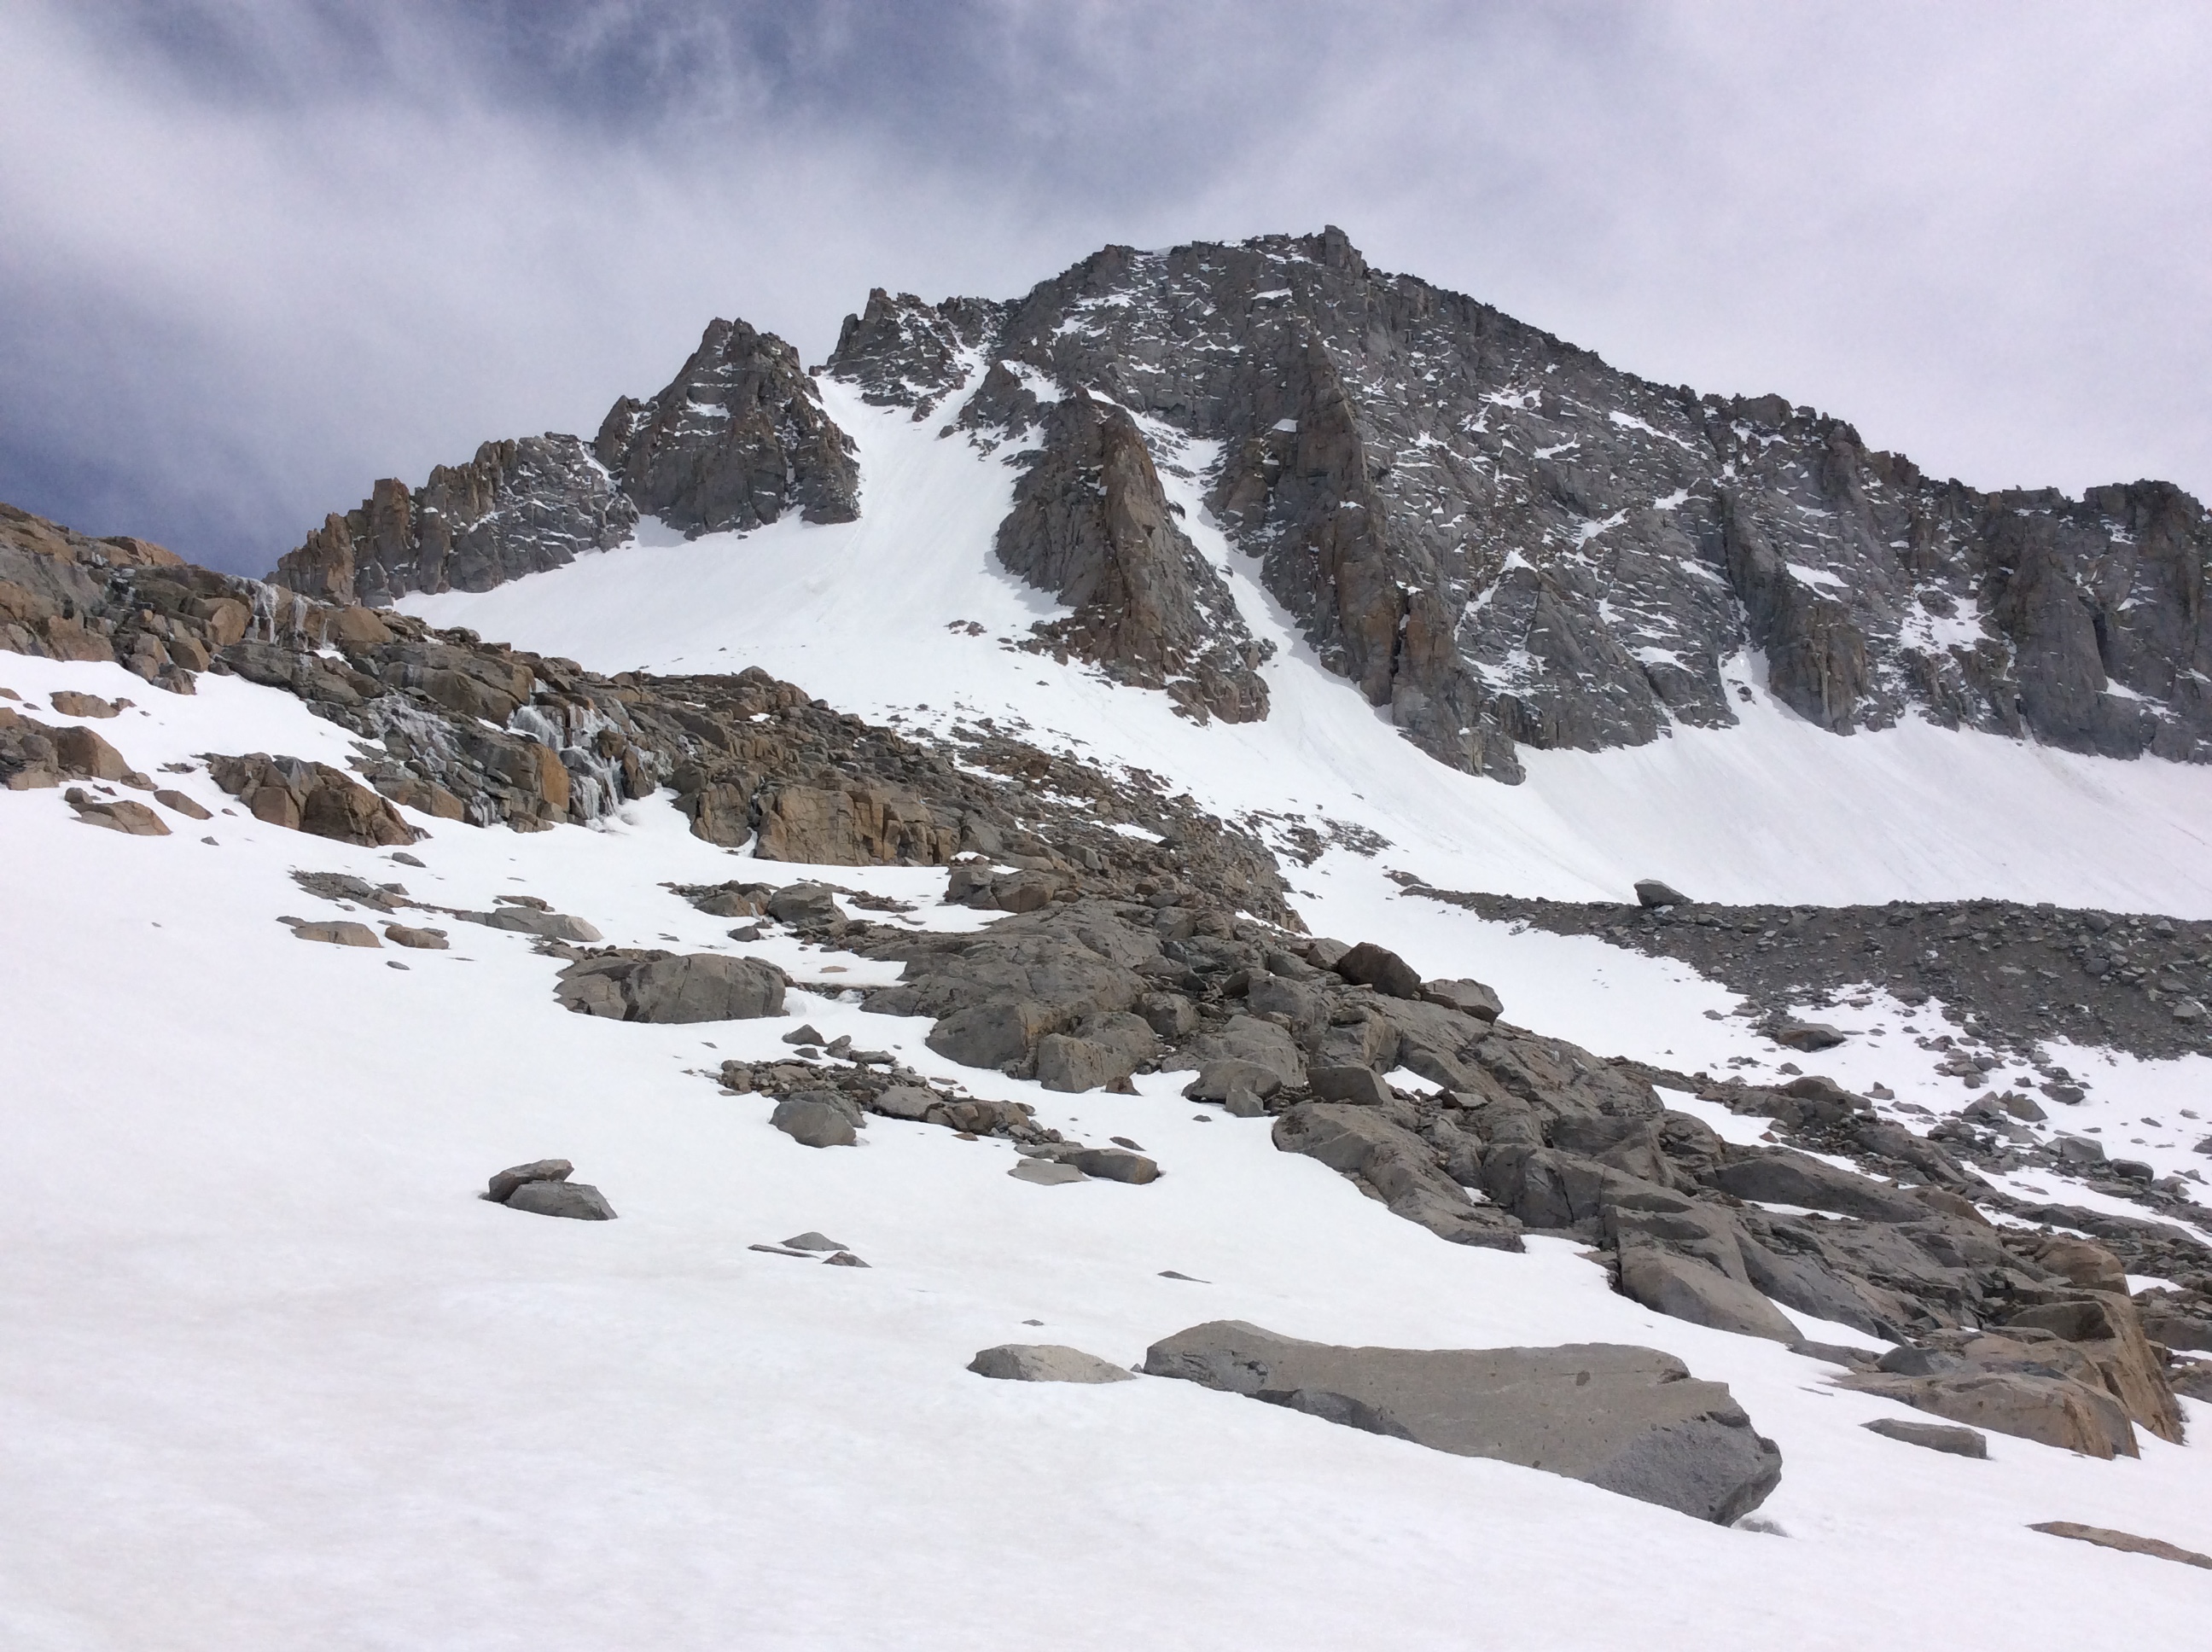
(2016, 975)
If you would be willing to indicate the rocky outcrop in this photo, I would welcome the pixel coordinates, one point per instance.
(1391, 1163)
(2052, 1411)
(902, 352)
(1531, 1133)
(34, 755)
(849, 825)
(1091, 525)
(56, 590)
(487, 734)
(517, 508)
(310, 796)
(1632, 1420)
(738, 439)
(1496, 537)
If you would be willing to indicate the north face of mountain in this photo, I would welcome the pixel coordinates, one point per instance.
(1504, 541)
(1497, 538)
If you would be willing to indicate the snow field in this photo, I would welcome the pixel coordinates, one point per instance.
(275, 1376)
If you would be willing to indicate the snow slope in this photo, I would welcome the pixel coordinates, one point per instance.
(874, 615)
(273, 1377)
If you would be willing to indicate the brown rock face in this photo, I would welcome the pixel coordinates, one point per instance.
(71, 703)
(2104, 1327)
(485, 734)
(737, 440)
(1091, 524)
(120, 815)
(858, 826)
(83, 752)
(2054, 1410)
(310, 796)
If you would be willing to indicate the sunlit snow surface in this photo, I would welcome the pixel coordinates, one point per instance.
(273, 1376)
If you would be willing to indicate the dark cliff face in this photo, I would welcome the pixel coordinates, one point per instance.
(1504, 542)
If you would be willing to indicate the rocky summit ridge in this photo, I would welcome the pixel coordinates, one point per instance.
(1499, 540)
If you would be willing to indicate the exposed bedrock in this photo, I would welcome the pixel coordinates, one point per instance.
(1091, 525)
(738, 439)
(1495, 537)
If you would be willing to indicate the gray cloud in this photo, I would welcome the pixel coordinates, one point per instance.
(259, 252)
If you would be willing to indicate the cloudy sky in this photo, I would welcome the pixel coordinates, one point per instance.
(256, 254)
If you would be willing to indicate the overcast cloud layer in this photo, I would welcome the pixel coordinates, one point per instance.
(256, 254)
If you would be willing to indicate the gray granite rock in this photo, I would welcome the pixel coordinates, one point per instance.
(1934, 1437)
(1500, 539)
(1091, 525)
(1045, 1362)
(1632, 1420)
(578, 1201)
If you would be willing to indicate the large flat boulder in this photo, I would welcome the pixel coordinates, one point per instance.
(1045, 1362)
(672, 989)
(1632, 1420)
